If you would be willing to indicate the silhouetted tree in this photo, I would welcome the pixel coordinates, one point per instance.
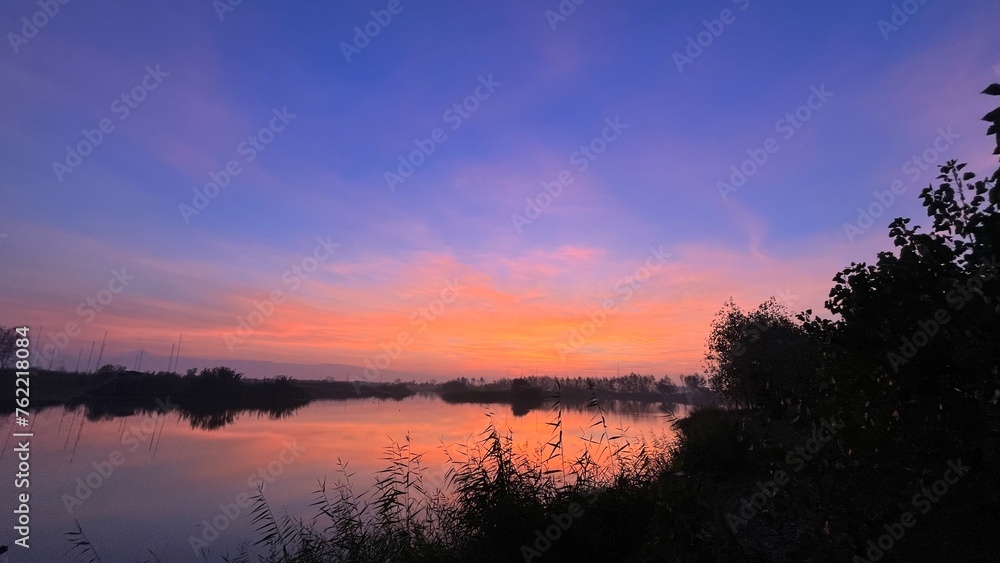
(221, 374)
(758, 358)
(913, 353)
(695, 381)
(112, 369)
(666, 385)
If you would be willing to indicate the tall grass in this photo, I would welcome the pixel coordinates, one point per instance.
(81, 548)
(487, 506)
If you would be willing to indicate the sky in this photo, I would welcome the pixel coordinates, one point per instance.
(456, 188)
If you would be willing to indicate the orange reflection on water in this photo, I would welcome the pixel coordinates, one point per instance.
(173, 479)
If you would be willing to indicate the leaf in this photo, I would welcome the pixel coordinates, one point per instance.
(993, 116)
(992, 90)
(968, 176)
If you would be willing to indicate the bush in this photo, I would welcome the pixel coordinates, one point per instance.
(712, 441)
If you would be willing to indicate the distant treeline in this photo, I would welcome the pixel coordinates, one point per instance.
(631, 384)
(214, 397)
(209, 399)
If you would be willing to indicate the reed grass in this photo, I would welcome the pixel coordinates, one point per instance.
(490, 502)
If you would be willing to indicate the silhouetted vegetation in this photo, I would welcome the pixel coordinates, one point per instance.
(528, 393)
(209, 399)
(216, 396)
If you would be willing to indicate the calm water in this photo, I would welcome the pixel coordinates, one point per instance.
(163, 480)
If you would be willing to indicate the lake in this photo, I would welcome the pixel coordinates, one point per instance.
(145, 485)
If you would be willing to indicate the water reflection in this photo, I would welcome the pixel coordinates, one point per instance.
(149, 479)
(206, 415)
